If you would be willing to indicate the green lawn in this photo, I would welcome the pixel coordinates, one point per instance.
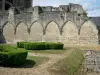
(69, 65)
(48, 51)
(34, 61)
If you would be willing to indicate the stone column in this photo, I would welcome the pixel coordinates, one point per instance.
(43, 38)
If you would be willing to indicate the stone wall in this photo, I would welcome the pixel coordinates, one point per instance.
(65, 23)
(88, 34)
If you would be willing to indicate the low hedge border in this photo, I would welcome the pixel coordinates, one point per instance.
(21, 44)
(40, 45)
(12, 56)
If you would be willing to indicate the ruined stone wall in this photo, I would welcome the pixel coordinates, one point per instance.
(60, 24)
(88, 34)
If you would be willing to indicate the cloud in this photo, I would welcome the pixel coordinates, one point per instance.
(85, 5)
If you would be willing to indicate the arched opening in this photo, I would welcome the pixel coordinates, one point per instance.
(8, 33)
(69, 33)
(52, 32)
(7, 6)
(89, 33)
(36, 33)
(21, 33)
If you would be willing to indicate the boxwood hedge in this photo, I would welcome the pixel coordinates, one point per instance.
(20, 44)
(40, 45)
(34, 46)
(10, 56)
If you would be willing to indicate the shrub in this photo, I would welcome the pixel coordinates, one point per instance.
(43, 46)
(56, 46)
(35, 46)
(21, 44)
(12, 57)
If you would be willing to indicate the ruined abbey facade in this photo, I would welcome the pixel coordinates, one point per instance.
(19, 21)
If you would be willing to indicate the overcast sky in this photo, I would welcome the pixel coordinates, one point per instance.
(87, 4)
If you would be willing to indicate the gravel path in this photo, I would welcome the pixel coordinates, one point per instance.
(39, 70)
(91, 64)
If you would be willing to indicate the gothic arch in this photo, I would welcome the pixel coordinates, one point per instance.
(69, 33)
(89, 33)
(21, 32)
(66, 23)
(52, 31)
(4, 24)
(35, 22)
(36, 31)
(8, 32)
(51, 22)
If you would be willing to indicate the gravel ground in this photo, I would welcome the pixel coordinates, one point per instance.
(42, 69)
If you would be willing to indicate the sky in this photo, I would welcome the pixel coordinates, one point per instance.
(87, 5)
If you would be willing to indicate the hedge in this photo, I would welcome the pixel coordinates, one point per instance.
(12, 56)
(54, 45)
(20, 44)
(34, 46)
(43, 46)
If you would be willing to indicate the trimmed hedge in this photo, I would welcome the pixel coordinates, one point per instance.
(43, 46)
(40, 45)
(10, 56)
(54, 45)
(34, 46)
(20, 44)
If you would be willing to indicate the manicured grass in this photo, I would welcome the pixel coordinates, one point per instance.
(48, 51)
(69, 65)
(35, 60)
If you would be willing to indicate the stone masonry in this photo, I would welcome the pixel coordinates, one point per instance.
(66, 23)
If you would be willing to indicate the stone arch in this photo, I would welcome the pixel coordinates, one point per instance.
(5, 24)
(21, 32)
(36, 31)
(52, 32)
(69, 33)
(8, 32)
(51, 22)
(89, 33)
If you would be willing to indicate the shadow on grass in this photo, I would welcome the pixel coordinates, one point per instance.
(27, 64)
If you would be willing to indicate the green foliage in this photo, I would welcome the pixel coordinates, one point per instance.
(35, 46)
(37, 59)
(56, 45)
(43, 46)
(74, 61)
(85, 14)
(20, 44)
(11, 56)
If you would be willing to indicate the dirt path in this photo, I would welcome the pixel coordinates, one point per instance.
(39, 70)
(42, 69)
